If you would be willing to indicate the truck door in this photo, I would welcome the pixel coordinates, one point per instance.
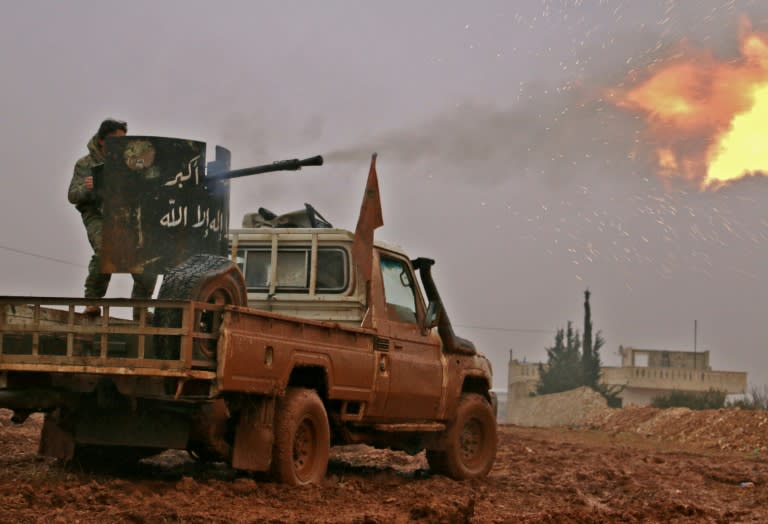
(414, 357)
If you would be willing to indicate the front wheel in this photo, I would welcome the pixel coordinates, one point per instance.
(470, 441)
(302, 438)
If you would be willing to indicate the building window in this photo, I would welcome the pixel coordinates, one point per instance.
(640, 360)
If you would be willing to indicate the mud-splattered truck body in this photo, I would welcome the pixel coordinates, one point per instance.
(263, 359)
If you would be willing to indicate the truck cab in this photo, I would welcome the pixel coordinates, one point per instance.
(306, 272)
(309, 273)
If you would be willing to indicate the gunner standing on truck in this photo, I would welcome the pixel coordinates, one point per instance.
(89, 204)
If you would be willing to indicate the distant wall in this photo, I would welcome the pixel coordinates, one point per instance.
(557, 409)
(661, 358)
(639, 385)
(664, 380)
(641, 397)
(501, 406)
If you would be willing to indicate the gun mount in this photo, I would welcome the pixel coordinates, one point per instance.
(161, 205)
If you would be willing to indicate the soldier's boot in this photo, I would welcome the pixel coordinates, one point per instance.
(143, 286)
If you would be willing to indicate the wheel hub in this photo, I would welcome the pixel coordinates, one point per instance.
(304, 446)
(471, 440)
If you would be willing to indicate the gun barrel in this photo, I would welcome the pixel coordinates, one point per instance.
(293, 164)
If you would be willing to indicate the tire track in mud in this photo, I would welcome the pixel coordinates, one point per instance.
(540, 475)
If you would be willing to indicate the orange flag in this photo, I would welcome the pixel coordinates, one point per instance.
(370, 218)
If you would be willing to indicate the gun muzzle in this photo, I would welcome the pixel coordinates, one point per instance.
(312, 161)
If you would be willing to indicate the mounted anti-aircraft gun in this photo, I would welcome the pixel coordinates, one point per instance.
(214, 168)
(307, 217)
(165, 214)
(218, 168)
(161, 206)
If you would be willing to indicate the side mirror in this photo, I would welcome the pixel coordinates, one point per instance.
(433, 315)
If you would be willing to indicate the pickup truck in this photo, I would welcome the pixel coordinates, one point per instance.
(263, 359)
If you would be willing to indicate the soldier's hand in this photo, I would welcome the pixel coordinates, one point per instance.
(88, 182)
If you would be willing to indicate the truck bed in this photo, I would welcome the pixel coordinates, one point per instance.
(257, 348)
(46, 334)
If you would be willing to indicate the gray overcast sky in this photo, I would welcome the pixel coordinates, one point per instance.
(497, 155)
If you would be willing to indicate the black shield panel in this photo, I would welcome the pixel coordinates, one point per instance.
(159, 207)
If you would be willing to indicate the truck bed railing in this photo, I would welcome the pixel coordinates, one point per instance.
(47, 334)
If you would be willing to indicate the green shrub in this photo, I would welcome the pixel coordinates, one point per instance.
(711, 399)
(756, 399)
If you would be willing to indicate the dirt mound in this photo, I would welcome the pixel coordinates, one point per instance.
(555, 409)
(725, 429)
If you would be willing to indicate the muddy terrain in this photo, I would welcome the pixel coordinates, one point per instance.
(631, 465)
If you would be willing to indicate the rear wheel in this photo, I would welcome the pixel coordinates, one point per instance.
(302, 438)
(471, 441)
(204, 278)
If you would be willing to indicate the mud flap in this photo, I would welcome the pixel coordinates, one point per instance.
(255, 435)
(54, 441)
(209, 431)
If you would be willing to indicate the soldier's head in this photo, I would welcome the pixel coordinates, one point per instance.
(110, 127)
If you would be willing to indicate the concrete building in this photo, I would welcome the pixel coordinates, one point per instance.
(644, 374)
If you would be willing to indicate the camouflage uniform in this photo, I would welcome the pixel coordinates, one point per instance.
(90, 207)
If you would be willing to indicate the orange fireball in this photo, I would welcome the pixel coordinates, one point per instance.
(708, 118)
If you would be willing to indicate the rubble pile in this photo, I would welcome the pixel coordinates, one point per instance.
(725, 429)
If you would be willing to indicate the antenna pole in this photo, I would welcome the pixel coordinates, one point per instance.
(695, 333)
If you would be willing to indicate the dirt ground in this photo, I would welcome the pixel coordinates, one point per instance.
(630, 465)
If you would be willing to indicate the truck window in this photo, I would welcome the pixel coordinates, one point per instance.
(398, 290)
(293, 269)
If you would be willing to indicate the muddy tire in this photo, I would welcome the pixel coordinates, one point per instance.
(470, 441)
(204, 278)
(302, 438)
